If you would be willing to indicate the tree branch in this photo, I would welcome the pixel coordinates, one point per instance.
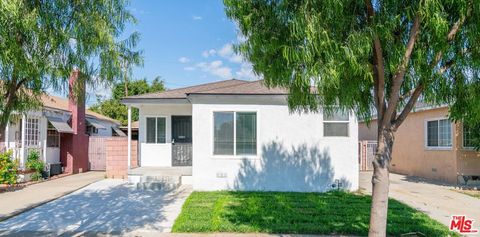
(378, 66)
(399, 76)
(409, 106)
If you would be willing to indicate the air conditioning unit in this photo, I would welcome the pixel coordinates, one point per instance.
(55, 169)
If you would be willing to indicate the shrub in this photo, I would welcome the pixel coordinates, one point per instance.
(34, 163)
(8, 168)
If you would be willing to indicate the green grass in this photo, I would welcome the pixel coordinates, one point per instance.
(471, 193)
(300, 213)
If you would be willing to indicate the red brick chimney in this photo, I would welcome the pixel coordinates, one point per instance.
(74, 146)
(76, 102)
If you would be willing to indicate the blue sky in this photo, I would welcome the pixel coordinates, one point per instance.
(186, 42)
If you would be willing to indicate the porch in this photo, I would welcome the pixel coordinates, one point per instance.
(164, 136)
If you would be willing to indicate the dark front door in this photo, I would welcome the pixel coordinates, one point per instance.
(181, 140)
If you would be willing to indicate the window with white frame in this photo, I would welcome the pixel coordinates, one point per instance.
(467, 137)
(32, 133)
(53, 136)
(235, 133)
(335, 124)
(156, 130)
(439, 133)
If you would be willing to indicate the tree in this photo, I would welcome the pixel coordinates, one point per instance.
(113, 108)
(371, 57)
(41, 42)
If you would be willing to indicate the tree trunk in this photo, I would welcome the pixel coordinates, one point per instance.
(380, 183)
(3, 126)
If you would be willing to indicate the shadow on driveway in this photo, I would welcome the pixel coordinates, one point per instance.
(108, 206)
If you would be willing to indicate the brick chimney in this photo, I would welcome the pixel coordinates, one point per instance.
(76, 102)
(74, 146)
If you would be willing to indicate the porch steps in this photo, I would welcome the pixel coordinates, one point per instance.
(165, 179)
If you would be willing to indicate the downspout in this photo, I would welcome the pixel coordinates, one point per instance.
(129, 139)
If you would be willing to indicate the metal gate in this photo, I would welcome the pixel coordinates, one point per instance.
(181, 140)
(97, 153)
(366, 154)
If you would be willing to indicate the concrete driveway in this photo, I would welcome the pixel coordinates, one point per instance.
(107, 206)
(435, 199)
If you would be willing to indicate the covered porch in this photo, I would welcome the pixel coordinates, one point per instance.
(164, 137)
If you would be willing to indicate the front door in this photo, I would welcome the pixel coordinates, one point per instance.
(181, 140)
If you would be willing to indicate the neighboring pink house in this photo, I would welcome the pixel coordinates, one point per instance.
(429, 145)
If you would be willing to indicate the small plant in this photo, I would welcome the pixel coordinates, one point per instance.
(8, 169)
(34, 163)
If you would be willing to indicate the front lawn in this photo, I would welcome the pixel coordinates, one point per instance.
(301, 213)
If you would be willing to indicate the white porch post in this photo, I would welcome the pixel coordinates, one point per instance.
(22, 152)
(7, 136)
(129, 135)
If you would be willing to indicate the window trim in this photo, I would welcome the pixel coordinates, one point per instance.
(145, 136)
(347, 122)
(468, 148)
(234, 155)
(425, 133)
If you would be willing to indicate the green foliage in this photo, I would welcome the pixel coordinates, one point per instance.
(34, 163)
(113, 108)
(41, 42)
(295, 43)
(297, 213)
(8, 169)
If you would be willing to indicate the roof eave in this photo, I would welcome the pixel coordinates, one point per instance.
(132, 101)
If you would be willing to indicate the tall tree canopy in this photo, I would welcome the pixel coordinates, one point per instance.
(372, 57)
(42, 41)
(116, 110)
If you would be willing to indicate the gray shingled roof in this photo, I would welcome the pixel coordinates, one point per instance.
(232, 86)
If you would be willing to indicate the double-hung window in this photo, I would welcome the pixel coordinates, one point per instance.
(235, 133)
(439, 133)
(467, 137)
(156, 130)
(335, 124)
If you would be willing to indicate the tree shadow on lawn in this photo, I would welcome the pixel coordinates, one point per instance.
(116, 209)
(314, 213)
(300, 168)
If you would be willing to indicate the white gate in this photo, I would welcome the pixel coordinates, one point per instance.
(366, 154)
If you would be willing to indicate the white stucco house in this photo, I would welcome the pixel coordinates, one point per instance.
(240, 135)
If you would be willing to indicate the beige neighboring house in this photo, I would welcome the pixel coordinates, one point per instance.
(428, 145)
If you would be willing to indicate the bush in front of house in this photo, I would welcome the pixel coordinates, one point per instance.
(8, 169)
(35, 164)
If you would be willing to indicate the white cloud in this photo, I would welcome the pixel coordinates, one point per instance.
(189, 68)
(184, 60)
(246, 72)
(216, 68)
(208, 53)
(197, 18)
(227, 52)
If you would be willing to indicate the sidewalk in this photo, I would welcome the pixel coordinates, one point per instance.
(34, 195)
(436, 200)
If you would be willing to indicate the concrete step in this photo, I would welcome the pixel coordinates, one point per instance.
(157, 182)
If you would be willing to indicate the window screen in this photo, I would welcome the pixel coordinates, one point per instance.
(156, 130)
(246, 133)
(223, 133)
(439, 133)
(335, 124)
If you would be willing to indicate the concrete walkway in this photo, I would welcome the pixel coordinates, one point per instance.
(34, 195)
(437, 200)
(110, 206)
